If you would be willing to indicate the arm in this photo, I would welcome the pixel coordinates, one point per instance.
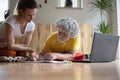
(28, 38)
(57, 56)
(73, 48)
(11, 41)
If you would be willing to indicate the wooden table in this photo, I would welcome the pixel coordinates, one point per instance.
(58, 71)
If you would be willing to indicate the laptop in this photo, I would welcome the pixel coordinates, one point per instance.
(104, 48)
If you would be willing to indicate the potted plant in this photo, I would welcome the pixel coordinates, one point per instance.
(104, 28)
(103, 6)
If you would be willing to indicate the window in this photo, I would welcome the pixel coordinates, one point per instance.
(70, 3)
(118, 23)
(4, 5)
(62, 2)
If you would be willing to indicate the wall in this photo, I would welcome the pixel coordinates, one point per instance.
(49, 13)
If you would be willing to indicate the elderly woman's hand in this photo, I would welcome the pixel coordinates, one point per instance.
(47, 56)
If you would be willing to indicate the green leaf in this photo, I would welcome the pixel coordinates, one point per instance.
(104, 28)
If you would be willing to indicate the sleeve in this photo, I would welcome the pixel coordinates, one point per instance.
(76, 44)
(10, 20)
(47, 44)
(30, 26)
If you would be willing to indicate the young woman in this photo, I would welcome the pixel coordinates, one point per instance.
(15, 27)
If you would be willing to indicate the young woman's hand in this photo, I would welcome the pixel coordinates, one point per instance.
(33, 56)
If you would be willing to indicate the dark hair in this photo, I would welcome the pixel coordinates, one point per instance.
(25, 4)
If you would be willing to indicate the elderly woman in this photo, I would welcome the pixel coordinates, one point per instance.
(61, 45)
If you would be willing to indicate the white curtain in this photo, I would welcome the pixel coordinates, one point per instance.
(118, 23)
(4, 5)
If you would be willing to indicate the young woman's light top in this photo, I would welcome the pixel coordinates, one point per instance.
(11, 20)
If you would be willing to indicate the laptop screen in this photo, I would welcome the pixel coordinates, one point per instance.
(104, 47)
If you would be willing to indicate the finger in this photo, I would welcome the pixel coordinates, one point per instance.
(40, 57)
(48, 56)
(33, 57)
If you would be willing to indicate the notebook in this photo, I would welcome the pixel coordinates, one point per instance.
(104, 48)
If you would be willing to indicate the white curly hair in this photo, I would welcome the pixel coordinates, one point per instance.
(70, 25)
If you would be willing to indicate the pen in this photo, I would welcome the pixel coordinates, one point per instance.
(67, 62)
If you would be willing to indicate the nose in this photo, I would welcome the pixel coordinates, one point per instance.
(62, 34)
